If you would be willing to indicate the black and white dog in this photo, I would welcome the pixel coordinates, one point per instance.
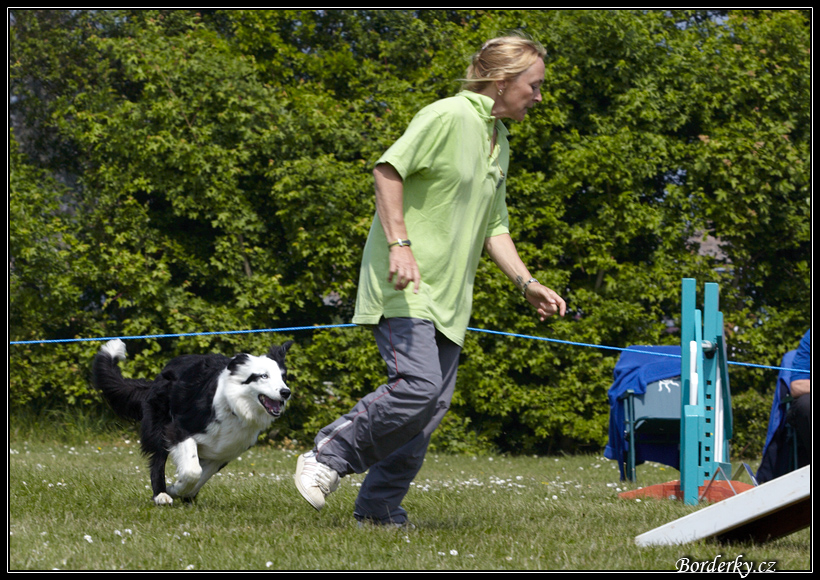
(202, 410)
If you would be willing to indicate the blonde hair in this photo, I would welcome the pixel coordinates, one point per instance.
(502, 59)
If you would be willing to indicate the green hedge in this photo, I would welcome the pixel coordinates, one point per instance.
(178, 172)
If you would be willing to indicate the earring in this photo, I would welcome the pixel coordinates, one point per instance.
(500, 92)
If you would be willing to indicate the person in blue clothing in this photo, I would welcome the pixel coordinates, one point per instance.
(799, 414)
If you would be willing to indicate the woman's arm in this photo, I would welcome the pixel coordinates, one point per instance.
(502, 251)
(390, 207)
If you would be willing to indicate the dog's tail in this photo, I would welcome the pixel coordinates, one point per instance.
(124, 395)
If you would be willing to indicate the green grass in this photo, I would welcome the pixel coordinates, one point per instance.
(86, 505)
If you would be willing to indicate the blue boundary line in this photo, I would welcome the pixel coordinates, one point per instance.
(300, 328)
(181, 335)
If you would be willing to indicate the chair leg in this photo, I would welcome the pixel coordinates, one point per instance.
(630, 434)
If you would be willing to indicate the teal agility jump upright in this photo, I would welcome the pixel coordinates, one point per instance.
(706, 405)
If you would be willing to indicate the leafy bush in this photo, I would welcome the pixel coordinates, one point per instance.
(176, 172)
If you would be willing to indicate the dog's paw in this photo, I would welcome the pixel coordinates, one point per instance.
(115, 349)
(163, 499)
(173, 490)
(182, 488)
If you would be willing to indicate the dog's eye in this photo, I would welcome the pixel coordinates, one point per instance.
(264, 376)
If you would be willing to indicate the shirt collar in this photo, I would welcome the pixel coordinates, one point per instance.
(484, 107)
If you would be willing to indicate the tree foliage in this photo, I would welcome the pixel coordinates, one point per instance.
(176, 172)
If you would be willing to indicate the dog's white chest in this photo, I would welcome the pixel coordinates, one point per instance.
(226, 439)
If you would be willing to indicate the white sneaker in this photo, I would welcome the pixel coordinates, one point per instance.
(314, 480)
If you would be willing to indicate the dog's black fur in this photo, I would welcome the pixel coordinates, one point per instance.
(202, 410)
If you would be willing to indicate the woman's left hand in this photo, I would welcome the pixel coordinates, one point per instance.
(546, 301)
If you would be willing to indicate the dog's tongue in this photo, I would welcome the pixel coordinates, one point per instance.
(271, 406)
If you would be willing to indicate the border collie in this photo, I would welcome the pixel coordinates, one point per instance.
(202, 410)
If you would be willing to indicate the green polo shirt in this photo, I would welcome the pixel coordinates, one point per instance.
(454, 198)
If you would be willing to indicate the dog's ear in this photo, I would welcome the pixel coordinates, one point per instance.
(237, 361)
(277, 353)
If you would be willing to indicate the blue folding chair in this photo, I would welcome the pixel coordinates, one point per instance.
(645, 408)
(652, 420)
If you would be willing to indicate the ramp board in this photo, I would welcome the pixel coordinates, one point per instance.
(772, 510)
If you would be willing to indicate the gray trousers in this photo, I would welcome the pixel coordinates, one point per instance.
(387, 432)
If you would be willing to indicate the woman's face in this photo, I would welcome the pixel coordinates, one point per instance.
(520, 94)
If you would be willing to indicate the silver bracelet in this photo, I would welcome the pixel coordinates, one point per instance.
(524, 288)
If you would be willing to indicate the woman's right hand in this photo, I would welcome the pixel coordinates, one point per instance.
(403, 269)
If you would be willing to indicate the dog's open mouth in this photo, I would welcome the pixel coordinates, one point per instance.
(274, 408)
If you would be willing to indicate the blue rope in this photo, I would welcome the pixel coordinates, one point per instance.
(613, 347)
(323, 327)
(291, 329)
